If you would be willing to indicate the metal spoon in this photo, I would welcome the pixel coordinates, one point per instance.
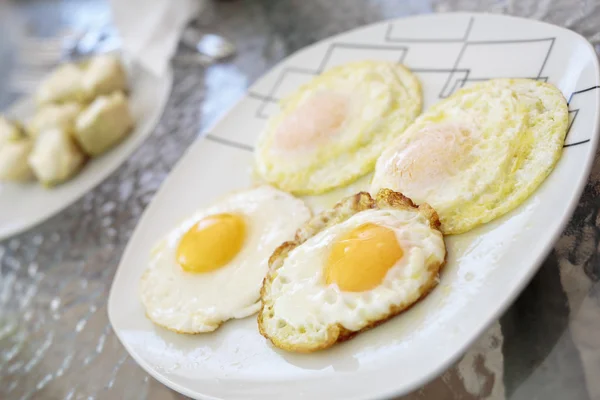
(211, 45)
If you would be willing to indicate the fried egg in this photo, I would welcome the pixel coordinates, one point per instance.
(210, 268)
(480, 153)
(331, 130)
(349, 269)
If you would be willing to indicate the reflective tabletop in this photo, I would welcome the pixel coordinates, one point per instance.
(55, 339)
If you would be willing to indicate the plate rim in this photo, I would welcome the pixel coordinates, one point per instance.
(500, 308)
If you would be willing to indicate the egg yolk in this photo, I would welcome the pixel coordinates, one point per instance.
(211, 243)
(360, 259)
(316, 120)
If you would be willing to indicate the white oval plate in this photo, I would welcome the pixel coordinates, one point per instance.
(486, 269)
(23, 205)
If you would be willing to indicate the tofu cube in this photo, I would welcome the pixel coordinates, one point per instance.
(104, 75)
(64, 84)
(55, 157)
(8, 131)
(13, 159)
(61, 116)
(103, 123)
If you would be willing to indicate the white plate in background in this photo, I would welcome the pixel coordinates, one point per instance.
(487, 267)
(23, 205)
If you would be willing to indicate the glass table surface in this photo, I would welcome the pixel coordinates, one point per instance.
(55, 339)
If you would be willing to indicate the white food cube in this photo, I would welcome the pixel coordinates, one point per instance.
(8, 131)
(61, 116)
(13, 159)
(104, 75)
(55, 157)
(103, 123)
(64, 84)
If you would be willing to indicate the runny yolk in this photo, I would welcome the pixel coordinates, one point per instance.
(312, 123)
(211, 243)
(360, 259)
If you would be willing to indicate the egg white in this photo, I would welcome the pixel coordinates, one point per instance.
(199, 302)
(303, 302)
(479, 153)
(380, 100)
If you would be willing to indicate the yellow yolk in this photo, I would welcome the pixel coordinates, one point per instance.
(211, 243)
(360, 259)
(316, 120)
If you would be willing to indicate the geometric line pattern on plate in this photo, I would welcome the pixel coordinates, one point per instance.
(450, 86)
(576, 111)
(457, 76)
(323, 65)
(229, 143)
(389, 37)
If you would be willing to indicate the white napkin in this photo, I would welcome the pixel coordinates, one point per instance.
(150, 29)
